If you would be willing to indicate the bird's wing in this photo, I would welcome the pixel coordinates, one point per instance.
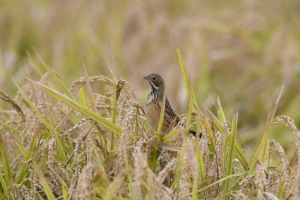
(170, 115)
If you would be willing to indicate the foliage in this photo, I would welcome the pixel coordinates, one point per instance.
(63, 147)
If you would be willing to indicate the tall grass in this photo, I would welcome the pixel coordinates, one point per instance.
(54, 147)
(241, 51)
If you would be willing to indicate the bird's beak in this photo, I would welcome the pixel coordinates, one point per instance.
(147, 78)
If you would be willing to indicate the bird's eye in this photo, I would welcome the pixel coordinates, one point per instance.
(154, 78)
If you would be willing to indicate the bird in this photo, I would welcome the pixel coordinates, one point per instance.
(154, 105)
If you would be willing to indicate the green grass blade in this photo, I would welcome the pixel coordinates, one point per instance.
(34, 64)
(262, 143)
(64, 192)
(61, 152)
(201, 165)
(225, 151)
(81, 97)
(231, 153)
(215, 120)
(270, 118)
(19, 145)
(189, 110)
(6, 168)
(10, 127)
(221, 114)
(281, 190)
(44, 183)
(24, 168)
(107, 124)
(239, 153)
(54, 76)
(219, 181)
(38, 114)
(169, 136)
(89, 87)
(4, 187)
(186, 78)
(210, 133)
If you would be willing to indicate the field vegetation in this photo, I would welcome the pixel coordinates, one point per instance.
(60, 147)
(72, 124)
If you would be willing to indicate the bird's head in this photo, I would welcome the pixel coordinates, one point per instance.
(156, 81)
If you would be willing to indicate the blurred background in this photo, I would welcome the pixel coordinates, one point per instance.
(242, 51)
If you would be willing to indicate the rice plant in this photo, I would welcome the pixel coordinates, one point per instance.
(72, 143)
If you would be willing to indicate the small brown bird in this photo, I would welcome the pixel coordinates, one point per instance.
(154, 104)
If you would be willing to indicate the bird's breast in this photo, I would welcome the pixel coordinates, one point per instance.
(152, 110)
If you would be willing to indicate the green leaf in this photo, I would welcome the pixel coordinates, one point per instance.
(262, 143)
(54, 76)
(4, 187)
(221, 114)
(189, 109)
(10, 127)
(219, 181)
(24, 168)
(19, 145)
(186, 78)
(44, 183)
(38, 114)
(281, 190)
(230, 153)
(239, 153)
(6, 168)
(201, 165)
(210, 133)
(107, 124)
(170, 136)
(34, 65)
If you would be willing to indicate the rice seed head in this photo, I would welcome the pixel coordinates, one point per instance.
(205, 149)
(84, 182)
(296, 190)
(184, 190)
(285, 168)
(219, 153)
(273, 181)
(290, 123)
(260, 180)
(76, 85)
(141, 165)
(247, 185)
(164, 173)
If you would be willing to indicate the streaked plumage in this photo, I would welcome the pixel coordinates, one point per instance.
(154, 103)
